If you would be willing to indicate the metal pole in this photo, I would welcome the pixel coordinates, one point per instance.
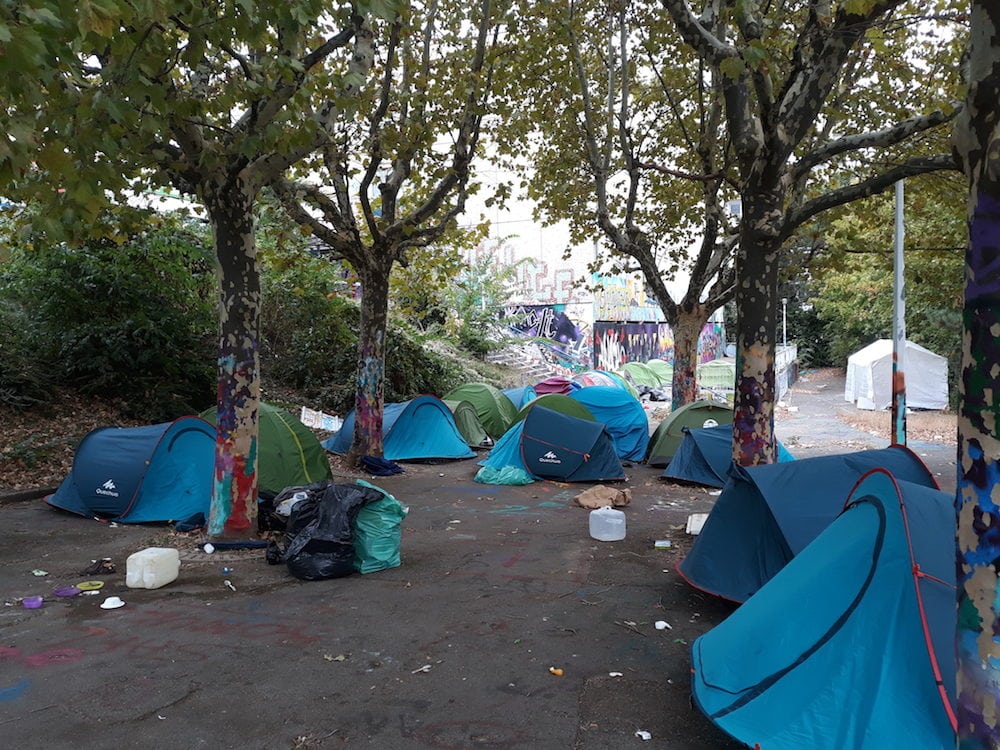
(784, 322)
(898, 330)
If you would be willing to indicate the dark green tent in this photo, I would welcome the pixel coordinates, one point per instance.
(467, 421)
(288, 452)
(494, 409)
(668, 435)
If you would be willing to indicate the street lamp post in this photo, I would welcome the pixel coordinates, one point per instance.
(784, 322)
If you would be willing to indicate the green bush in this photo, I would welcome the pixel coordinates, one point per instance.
(134, 321)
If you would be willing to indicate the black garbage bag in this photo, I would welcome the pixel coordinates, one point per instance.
(320, 529)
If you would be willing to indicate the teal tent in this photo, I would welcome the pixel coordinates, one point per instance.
(155, 473)
(623, 415)
(547, 444)
(422, 429)
(852, 645)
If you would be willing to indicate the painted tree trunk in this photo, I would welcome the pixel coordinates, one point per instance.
(234, 495)
(687, 330)
(753, 408)
(977, 145)
(369, 398)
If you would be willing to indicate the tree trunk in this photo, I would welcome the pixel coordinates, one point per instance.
(234, 494)
(369, 399)
(687, 330)
(756, 290)
(977, 143)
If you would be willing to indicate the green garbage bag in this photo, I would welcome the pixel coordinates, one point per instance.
(377, 532)
(507, 475)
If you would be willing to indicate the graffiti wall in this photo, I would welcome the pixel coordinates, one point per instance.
(616, 343)
(565, 331)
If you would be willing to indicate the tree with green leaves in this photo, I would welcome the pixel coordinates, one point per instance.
(977, 146)
(823, 103)
(617, 129)
(218, 100)
(391, 182)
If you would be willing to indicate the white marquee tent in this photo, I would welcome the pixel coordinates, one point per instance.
(869, 377)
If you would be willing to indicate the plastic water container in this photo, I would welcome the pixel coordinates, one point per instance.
(152, 567)
(607, 524)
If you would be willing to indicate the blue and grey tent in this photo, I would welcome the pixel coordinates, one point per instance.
(422, 429)
(622, 414)
(852, 645)
(705, 455)
(768, 514)
(156, 473)
(669, 433)
(547, 444)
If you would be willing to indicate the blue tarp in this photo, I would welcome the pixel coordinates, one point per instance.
(550, 445)
(767, 514)
(418, 430)
(837, 652)
(155, 473)
(622, 414)
(705, 455)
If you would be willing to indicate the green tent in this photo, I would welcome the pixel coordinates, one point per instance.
(560, 403)
(664, 370)
(495, 410)
(467, 421)
(640, 374)
(668, 435)
(289, 453)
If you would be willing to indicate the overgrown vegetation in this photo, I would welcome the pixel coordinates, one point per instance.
(131, 317)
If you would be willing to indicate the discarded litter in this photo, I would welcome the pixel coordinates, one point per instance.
(229, 585)
(112, 602)
(39, 572)
(66, 591)
(661, 543)
(556, 671)
(642, 734)
(32, 602)
(663, 625)
(90, 585)
(104, 566)
(209, 548)
(614, 674)
(695, 522)
(152, 567)
(425, 668)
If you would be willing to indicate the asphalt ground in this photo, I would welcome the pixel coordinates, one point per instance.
(454, 649)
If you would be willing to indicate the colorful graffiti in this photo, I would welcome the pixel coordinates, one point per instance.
(569, 338)
(616, 343)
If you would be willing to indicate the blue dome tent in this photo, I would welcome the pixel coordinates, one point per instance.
(149, 474)
(852, 645)
(622, 414)
(768, 514)
(547, 444)
(421, 429)
(705, 455)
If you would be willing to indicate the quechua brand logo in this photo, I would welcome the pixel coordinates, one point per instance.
(550, 458)
(108, 488)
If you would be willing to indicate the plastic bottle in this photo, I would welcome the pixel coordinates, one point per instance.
(152, 567)
(607, 524)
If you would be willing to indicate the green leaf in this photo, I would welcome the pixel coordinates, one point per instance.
(732, 68)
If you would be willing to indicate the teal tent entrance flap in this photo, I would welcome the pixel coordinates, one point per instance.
(154, 473)
(705, 456)
(845, 655)
(767, 514)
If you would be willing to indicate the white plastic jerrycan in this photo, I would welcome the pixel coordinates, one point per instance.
(152, 567)
(607, 524)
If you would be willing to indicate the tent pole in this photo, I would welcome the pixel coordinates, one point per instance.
(898, 329)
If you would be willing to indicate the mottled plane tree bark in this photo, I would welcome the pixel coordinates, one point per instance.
(977, 146)
(217, 99)
(797, 111)
(393, 181)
